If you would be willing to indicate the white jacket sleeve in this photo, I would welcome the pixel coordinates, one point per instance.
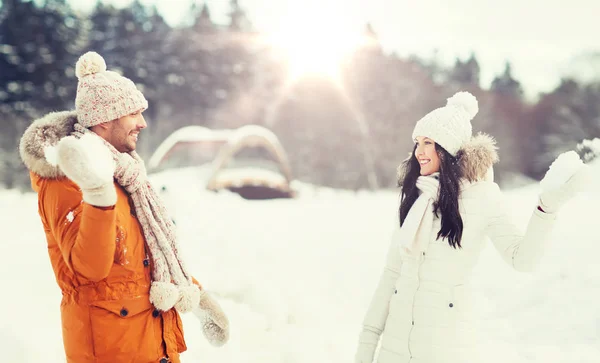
(374, 320)
(521, 250)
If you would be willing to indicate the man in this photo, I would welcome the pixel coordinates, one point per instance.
(111, 244)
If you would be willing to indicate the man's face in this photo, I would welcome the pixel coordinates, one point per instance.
(123, 132)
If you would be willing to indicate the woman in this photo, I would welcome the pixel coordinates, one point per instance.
(449, 206)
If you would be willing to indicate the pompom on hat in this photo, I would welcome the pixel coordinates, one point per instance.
(103, 95)
(450, 126)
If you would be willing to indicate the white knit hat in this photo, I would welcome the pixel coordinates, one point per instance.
(450, 126)
(103, 95)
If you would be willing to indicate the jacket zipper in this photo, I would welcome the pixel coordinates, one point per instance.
(421, 258)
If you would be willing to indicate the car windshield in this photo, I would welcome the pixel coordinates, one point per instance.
(253, 157)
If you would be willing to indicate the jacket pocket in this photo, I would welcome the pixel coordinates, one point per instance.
(125, 330)
(173, 333)
(76, 332)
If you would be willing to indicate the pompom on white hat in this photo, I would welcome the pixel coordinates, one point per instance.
(103, 95)
(450, 126)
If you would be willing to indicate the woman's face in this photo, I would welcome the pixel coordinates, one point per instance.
(426, 155)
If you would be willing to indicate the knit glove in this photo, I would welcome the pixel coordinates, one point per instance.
(566, 177)
(215, 325)
(90, 165)
(367, 343)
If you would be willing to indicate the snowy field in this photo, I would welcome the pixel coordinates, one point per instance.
(295, 277)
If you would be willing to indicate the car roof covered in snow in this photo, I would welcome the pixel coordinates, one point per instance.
(234, 140)
(191, 133)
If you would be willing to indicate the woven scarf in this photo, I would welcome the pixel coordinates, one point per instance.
(418, 225)
(171, 279)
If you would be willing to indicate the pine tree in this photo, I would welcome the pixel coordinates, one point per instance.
(237, 56)
(203, 22)
(565, 117)
(465, 74)
(238, 18)
(390, 94)
(39, 46)
(197, 80)
(132, 41)
(506, 84)
(503, 114)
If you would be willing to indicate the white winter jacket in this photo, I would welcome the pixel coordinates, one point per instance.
(421, 306)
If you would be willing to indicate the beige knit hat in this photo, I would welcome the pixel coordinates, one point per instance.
(450, 126)
(103, 95)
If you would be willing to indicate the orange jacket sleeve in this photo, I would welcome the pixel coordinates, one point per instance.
(86, 235)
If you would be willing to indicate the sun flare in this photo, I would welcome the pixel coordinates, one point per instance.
(315, 46)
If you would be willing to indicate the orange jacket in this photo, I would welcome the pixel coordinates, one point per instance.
(101, 265)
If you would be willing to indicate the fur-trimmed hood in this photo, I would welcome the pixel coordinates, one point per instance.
(42, 133)
(477, 158)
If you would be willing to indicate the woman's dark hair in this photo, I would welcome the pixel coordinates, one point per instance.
(447, 204)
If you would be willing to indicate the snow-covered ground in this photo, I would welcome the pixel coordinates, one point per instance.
(295, 277)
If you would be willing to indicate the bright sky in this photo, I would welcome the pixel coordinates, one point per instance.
(539, 37)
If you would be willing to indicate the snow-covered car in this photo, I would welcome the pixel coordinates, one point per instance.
(249, 161)
(187, 147)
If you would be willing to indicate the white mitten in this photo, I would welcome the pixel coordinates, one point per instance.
(215, 325)
(89, 163)
(367, 343)
(566, 177)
